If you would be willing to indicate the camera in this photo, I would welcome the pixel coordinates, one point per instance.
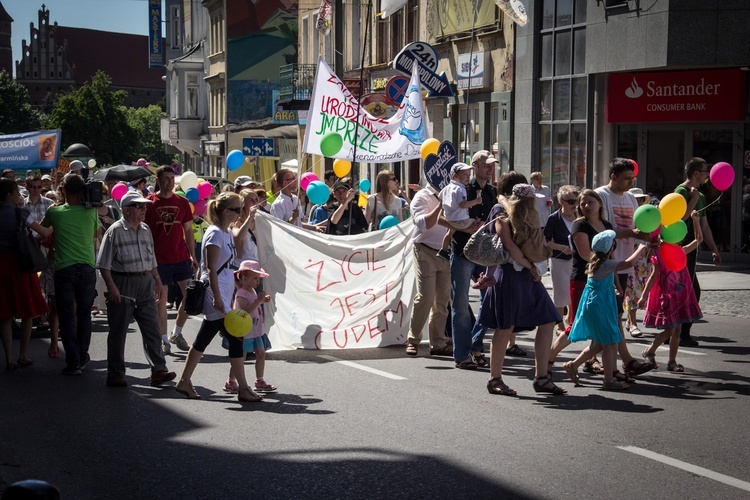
(92, 191)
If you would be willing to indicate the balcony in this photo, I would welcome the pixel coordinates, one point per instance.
(296, 84)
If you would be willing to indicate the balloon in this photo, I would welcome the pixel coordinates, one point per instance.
(200, 207)
(192, 208)
(674, 233)
(635, 168)
(722, 175)
(672, 207)
(142, 162)
(204, 190)
(331, 144)
(180, 193)
(429, 147)
(388, 221)
(118, 191)
(305, 180)
(188, 180)
(201, 179)
(192, 195)
(647, 218)
(341, 167)
(364, 185)
(673, 256)
(656, 232)
(238, 322)
(318, 192)
(92, 163)
(235, 159)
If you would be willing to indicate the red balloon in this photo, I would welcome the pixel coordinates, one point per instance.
(673, 256)
(635, 168)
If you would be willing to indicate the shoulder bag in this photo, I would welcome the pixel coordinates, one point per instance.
(30, 256)
(195, 293)
(486, 248)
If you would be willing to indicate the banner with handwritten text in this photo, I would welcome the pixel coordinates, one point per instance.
(335, 123)
(336, 292)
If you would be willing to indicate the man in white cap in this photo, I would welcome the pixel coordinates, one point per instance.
(241, 182)
(128, 266)
(76, 166)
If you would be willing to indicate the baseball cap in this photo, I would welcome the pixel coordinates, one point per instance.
(132, 197)
(46, 177)
(526, 191)
(251, 265)
(243, 181)
(602, 242)
(340, 184)
(483, 155)
(459, 167)
(76, 165)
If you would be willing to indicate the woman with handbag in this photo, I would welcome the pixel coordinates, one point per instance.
(383, 202)
(217, 264)
(20, 294)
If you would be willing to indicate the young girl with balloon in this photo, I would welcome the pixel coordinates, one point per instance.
(246, 279)
(669, 298)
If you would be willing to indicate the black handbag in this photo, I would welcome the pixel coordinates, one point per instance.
(30, 256)
(195, 293)
(485, 248)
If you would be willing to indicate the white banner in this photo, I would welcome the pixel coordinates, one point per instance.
(333, 129)
(336, 292)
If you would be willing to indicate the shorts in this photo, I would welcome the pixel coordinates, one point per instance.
(174, 273)
(249, 344)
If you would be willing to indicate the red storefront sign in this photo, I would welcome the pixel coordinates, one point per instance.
(678, 96)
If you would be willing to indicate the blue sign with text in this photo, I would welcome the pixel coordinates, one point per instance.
(258, 146)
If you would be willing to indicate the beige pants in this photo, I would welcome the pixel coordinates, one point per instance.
(433, 276)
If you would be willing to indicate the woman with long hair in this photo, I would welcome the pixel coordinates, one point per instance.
(217, 264)
(20, 294)
(383, 202)
(243, 227)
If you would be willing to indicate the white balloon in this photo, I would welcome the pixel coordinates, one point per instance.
(92, 163)
(188, 180)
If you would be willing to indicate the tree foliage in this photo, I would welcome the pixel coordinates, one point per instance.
(94, 115)
(16, 114)
(146, 122)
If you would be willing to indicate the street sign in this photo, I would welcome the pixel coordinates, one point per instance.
(437, 85)
(261, 146)
(396, 88)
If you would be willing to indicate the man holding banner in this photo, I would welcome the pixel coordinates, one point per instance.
(286, 205)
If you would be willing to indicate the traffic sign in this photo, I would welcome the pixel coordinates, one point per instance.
(425, 54)
(396, 88)
(258, 146)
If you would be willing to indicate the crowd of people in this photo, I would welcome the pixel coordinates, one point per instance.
(133, 259)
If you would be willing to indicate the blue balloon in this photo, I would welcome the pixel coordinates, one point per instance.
(192, 195)
(364, 185)
(235, 159)
(388, 221)
(318, 192)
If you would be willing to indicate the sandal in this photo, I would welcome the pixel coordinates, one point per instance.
(674, 366)
(24, 361)
(544, 384)
(411, 349)
(593, 366)
(649, 357)
(635, 367)
(623, 377)
(263, 386)
(497, 386)
(188, 392)
(514, 350)
(479, 359)
(253, 398)
(466, 364)
(635, 332)
(571, 371)
(614, 385)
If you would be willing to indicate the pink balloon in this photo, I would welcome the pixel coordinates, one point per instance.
(204, 190)
(118, 191)
(635, 168)
(306, 179)
(656, 232)
(722, 175)
(199, 207)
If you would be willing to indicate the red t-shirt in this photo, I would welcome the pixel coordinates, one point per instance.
(165, 217)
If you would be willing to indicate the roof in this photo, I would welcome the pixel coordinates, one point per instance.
(122, 56)
(4, 16)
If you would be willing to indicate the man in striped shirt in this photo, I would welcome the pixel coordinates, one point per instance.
(128, 266)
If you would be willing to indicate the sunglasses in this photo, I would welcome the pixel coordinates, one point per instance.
(235, 210)
(139, 206)
(570, 202)
(392, 179)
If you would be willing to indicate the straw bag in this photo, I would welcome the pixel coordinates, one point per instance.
(485, 248)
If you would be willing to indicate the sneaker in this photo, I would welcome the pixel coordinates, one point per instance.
(514, 350)
(232, 387)
(71, 370)
(179, 341)
(85, 361)
(166, 348)
(263, 386)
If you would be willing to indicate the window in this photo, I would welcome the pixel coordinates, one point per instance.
(175, 39)
(192, 95)
(355, 36)
(304, 42)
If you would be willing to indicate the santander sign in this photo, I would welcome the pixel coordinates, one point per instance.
(716, 95)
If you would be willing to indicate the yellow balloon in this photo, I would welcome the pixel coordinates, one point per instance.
(192, 208)
(362, 201)
(672, 208)
(200, 179)
(238, 322)
(341, 167)
(429, 147)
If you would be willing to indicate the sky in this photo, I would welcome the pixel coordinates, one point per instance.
(121, 16)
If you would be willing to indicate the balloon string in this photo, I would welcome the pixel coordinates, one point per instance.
(717, 199)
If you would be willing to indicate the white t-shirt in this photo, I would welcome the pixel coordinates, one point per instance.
(450, 196)
(543, 205)
(619, 210)
(225, 241)
(284, 205)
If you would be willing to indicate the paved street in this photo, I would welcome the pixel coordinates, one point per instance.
(387, 426)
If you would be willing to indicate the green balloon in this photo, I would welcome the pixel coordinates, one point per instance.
(647, 218)
(674, 233)
(180, 193)
(331, 144)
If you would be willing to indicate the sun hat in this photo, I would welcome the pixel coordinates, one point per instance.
(251, 265)
(526, 191)
(132, 196)
(602, 242)
(638, 193)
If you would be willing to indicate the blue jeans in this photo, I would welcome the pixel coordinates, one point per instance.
(75, 290)
(466, 335)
